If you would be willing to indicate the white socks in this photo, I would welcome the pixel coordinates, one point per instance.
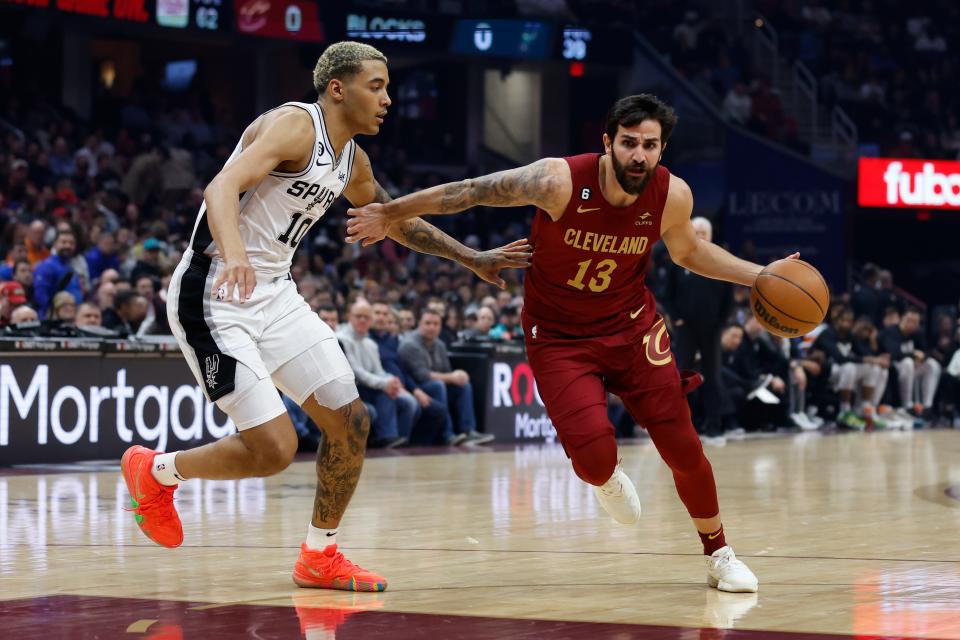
(165, 469)
(319, 539)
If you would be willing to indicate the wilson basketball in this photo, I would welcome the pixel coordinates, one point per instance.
(790, 298)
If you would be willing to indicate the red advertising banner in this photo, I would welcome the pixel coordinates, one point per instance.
(909, 183)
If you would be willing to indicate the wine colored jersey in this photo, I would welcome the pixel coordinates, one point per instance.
(587, 277)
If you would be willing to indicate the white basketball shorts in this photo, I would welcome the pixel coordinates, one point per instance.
(222, 339)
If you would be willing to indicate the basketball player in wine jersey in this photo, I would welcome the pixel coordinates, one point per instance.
(244, 329)
(590, 323)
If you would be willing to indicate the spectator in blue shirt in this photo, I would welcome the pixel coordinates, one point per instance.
(103, 256)
(54, 274)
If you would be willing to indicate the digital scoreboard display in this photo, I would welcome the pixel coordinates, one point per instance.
(516, 39)
(207, 15)
(287, 19)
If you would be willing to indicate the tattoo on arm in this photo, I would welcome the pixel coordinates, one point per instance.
(516, 187)
(422, 236)
(380, 194)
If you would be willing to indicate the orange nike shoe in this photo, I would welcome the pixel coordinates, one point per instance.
(328, 569)
(150, 501)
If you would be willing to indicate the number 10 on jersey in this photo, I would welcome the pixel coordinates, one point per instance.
(293, 237)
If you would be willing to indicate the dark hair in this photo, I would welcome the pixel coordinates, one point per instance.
(913, 309)
(428, 311)
(328, 308)
(632, 110)
(123, 297)
(65, 232)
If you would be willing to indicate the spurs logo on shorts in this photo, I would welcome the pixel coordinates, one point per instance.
(212, 366)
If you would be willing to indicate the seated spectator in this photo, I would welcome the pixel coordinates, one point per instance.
(396, 407)
(155, 322)
(54, 274)
(890, 317)
(149, 263)
(12, 296)
(408, 322)
(748, 365)
(103, 256)
(23, 273)
(37, 250)
(15, 255)
(64, 308)
(909, 356)
(509, 326)
(481, 328)
(24, 313)
(105, 295)
(428, 361)
(737, 105)
(433, 425)
(854, 371)
(128, 311)
(450, 332)
(329, 314)
(89, 315)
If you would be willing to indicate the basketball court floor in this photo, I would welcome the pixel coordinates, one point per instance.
(852, 535)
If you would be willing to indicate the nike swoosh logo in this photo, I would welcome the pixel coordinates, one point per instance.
(580, 209)
(634, 314)
(330, 535)
(709, 537)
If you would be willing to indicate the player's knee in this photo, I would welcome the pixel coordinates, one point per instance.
(595, 461)
(273, 455)
(353, 425)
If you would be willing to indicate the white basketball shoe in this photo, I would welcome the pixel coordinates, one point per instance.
(619, 497)
(726, 573)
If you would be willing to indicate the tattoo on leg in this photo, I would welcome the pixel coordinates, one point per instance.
(339, 462)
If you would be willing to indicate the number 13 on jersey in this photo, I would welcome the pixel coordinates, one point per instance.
(599, 281)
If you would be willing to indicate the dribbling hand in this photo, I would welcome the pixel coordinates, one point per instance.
(239, 275)
(367, 225)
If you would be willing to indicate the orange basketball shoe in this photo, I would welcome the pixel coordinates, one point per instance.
(328, 569)
(150, 501)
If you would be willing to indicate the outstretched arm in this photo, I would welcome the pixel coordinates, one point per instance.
(688, 251)
(545, 184)
(420, 235)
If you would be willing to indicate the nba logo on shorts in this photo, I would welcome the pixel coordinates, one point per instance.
(533, 332)
(212, 367)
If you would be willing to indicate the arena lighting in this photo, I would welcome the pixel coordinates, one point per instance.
(908, 183)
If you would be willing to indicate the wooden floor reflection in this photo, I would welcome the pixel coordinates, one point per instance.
(853, 534)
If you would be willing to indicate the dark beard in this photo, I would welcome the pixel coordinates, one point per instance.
(630, 184)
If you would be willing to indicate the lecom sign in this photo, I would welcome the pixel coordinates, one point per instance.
(895, 182)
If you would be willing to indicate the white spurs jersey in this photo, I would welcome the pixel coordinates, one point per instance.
(276, 214)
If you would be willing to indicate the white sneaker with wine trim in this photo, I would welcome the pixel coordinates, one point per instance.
(619, 497)
(726, 573)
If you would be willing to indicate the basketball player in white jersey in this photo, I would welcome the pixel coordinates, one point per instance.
(246, 332)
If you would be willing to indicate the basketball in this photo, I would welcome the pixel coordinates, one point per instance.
(789, 298)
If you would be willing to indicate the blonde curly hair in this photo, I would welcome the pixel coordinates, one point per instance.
(342, 60)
